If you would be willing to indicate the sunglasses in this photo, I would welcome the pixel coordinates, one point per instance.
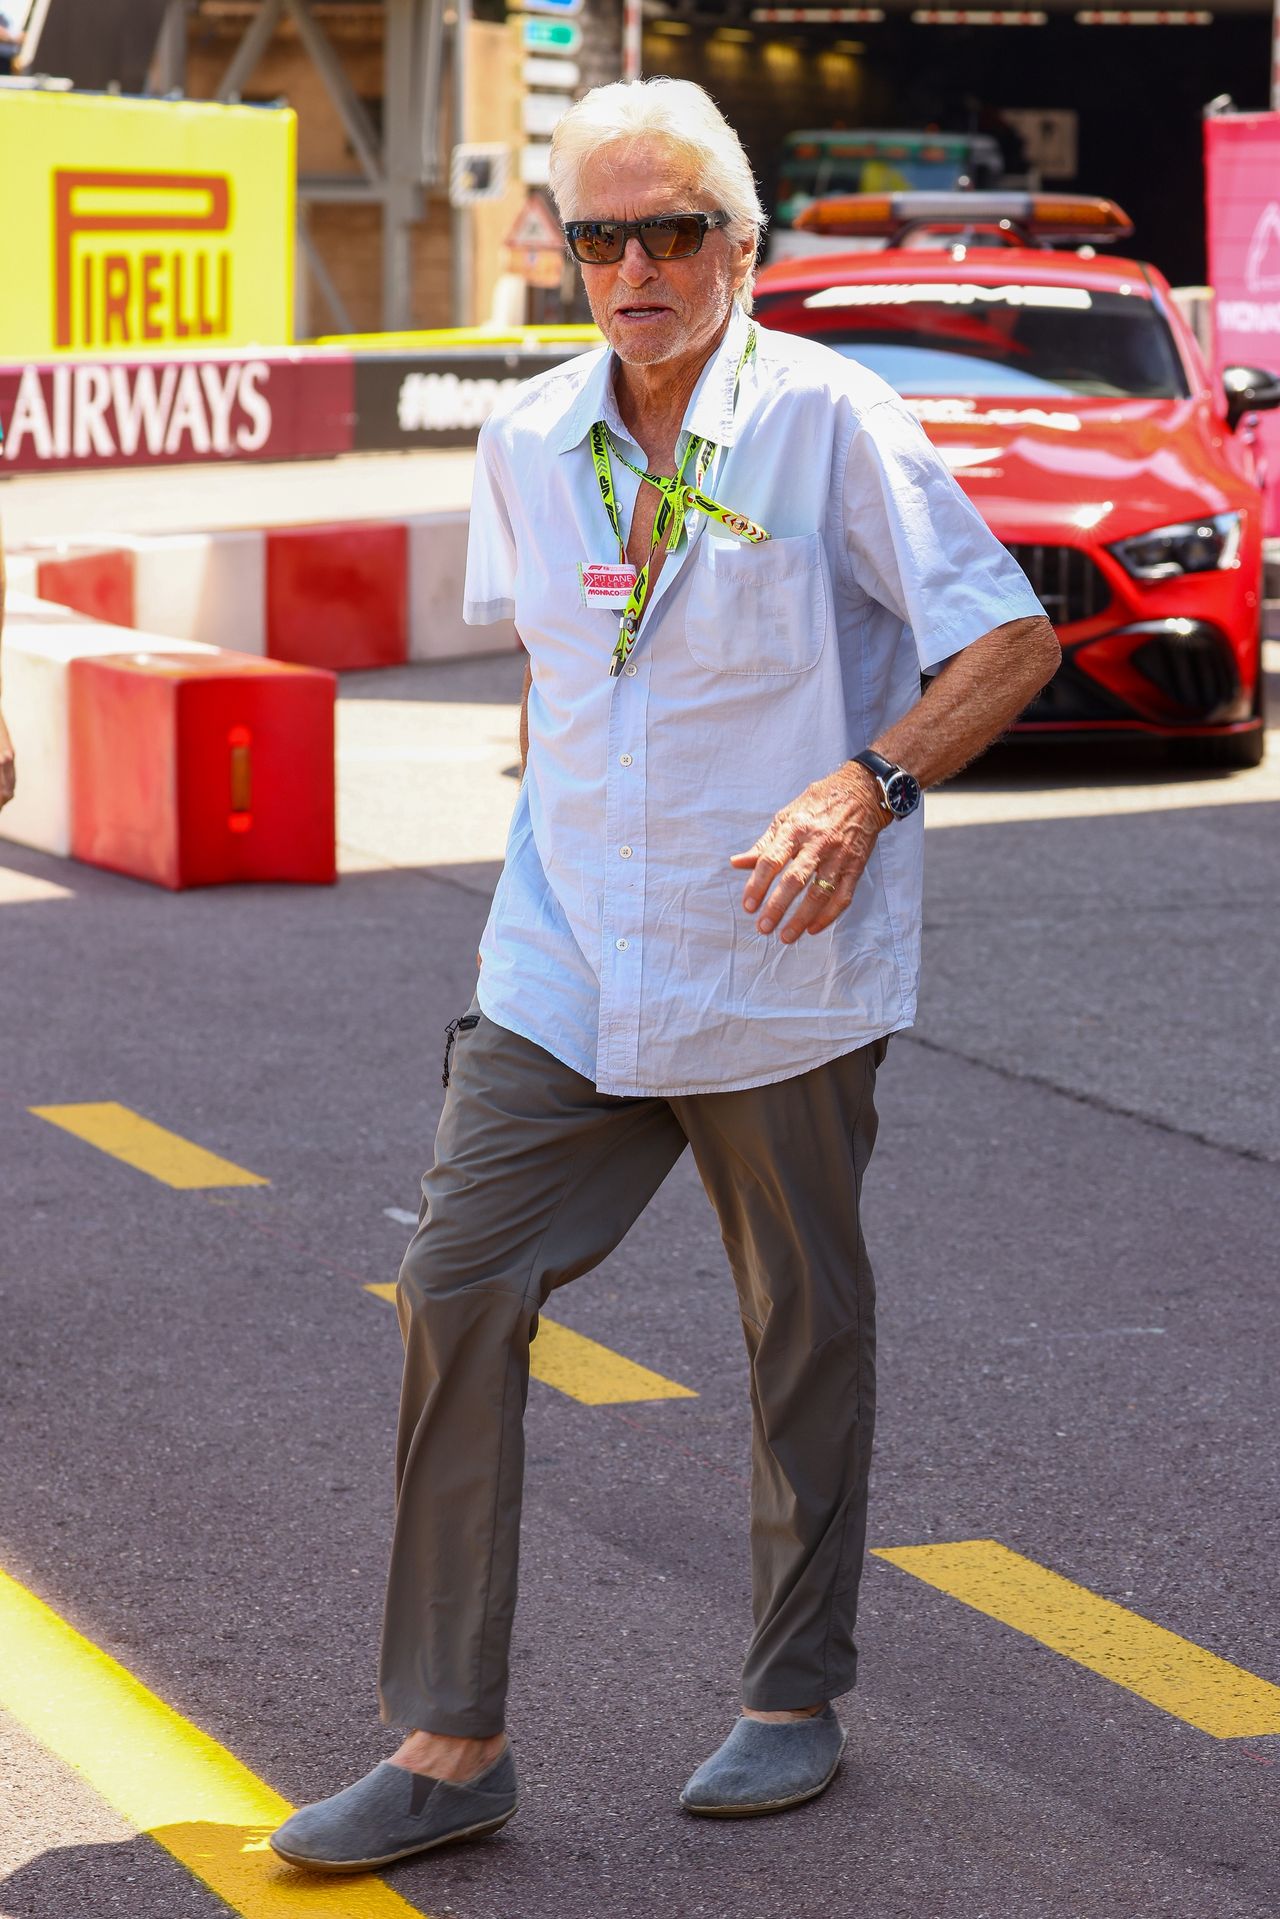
(672, 236)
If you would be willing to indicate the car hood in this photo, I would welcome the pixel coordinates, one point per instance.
(1105, 468)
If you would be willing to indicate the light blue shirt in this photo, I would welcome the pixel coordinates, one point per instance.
(617, 939)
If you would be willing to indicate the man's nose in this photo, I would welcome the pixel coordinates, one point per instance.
(635, 266)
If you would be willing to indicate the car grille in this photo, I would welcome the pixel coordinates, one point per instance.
(1065, 581)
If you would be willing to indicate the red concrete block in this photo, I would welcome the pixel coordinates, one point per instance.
(193, 769)
(99, 585)
(337, 596)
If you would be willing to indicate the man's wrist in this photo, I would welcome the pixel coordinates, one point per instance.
(898, 791)
(868, 782)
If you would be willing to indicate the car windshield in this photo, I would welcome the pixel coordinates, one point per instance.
(873, 173)
(962, 337)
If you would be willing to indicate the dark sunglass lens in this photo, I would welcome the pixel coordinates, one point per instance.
(597, 243)
(672, 239)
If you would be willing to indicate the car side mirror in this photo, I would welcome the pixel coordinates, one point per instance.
(1249, 389)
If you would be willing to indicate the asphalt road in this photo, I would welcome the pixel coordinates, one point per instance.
(1073, 1216)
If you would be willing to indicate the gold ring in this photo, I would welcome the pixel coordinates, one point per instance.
(825, 886)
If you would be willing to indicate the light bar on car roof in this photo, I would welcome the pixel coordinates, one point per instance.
(1039, 216)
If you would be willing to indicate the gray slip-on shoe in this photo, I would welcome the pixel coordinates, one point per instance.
(391, 1813)
(766, 1767)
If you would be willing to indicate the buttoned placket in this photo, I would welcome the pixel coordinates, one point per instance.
(625, 855)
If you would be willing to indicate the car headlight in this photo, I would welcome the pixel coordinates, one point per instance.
(1195, 546)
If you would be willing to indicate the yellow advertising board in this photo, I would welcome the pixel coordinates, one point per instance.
(136, 225)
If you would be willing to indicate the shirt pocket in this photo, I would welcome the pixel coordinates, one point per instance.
(757, 608)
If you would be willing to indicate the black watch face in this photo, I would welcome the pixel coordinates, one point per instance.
(902, 794)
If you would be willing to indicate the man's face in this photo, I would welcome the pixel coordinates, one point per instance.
(655, 310)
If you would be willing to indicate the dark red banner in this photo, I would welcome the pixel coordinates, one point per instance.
(177, 409)
(1242, 185)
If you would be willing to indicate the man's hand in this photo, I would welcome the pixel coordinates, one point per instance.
(827, 834)
(8, 765)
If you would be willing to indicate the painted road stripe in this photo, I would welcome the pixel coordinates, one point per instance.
(582, 1368)
(139, 1142)
(1172, 1673)
(162, 1774)
(24, 889)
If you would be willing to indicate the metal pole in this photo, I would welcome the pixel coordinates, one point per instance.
(462, 235)
(632, 33)
(172, 65)
(431, 107)
(256, 40)
(400, 206)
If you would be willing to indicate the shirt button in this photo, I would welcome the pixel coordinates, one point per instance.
(622, 945)
(625, 760)
(624, 852)
(629, 670)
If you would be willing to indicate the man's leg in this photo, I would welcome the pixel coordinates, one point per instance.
(537, 1178)
(783, 1166)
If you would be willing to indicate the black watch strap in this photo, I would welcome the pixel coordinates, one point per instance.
(877, 763)
(899, 790)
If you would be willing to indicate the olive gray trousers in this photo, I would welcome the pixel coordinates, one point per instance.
(537, 1178)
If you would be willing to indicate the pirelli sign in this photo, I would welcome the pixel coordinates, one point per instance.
(144, 224)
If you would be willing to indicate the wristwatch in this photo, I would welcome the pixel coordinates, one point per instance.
(899, 790)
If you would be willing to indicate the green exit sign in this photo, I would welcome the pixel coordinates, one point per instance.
(552, 36)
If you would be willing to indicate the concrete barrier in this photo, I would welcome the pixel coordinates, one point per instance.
(359, 594)
(40, 643)
(196, 768)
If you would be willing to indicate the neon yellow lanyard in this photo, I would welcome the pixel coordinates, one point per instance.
(678, 497)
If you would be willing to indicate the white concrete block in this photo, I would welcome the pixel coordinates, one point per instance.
(40, 642)
(209, 587)
(437, 569)
(20, 573)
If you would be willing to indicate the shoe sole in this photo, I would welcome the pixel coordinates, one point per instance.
(390, 1858)
(763, 1806)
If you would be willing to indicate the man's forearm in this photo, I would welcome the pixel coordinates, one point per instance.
(973, 699)
(524, 718)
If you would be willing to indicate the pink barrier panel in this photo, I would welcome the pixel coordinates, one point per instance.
(1242, 188)
(337, 596)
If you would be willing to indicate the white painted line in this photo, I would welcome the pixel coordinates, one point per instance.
(400, 1216)
(20, 889)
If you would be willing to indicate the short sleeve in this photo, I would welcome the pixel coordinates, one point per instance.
(489, 593)
(918, 546)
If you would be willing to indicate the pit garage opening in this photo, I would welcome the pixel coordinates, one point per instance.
(1086, 100)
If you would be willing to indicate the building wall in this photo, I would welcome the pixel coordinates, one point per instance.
(349, 238)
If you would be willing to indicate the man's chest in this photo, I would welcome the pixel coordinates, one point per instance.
(640, 541)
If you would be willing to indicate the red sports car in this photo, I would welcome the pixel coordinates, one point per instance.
(1072, 402)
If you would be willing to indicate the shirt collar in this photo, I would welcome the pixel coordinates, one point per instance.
(709, 414)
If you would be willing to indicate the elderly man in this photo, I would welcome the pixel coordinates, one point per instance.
(729, 554)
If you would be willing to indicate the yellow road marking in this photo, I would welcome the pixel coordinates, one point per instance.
(139, 1142)
(1172, 1673)
(582, 1368)
(162, 1774)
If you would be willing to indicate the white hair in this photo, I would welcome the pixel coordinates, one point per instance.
(687, 121)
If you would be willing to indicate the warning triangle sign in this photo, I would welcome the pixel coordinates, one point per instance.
(536, 227)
